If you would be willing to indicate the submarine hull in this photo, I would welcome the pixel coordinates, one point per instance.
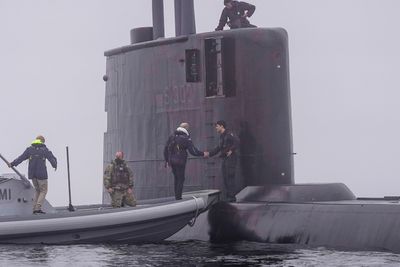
(347, 225)
(312, 215)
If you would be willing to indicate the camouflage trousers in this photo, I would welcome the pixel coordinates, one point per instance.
(121, 197)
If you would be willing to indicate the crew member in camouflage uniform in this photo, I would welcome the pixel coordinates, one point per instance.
(118, 180)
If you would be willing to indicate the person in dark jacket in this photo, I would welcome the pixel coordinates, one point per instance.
(37, 154)
(227, 147)
(237, 13)
(175, 155)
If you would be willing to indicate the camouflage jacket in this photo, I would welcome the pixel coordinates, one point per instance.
(118, 176)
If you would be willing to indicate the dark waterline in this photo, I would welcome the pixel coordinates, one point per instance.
(191, 253)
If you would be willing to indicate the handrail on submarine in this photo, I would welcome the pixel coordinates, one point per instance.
(23, 178)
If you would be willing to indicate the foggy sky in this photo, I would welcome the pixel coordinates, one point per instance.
(344, 57)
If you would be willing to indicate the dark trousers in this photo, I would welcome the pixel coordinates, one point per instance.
(228, 172)
(240, 23)
(179, 179)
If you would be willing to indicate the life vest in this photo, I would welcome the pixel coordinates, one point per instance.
(120, 174)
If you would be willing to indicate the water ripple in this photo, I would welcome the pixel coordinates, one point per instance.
(191, 253)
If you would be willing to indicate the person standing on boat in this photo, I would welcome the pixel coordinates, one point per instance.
(237, 13)
(37, 154)
(175, 155)
(118, 181)
(228, 146)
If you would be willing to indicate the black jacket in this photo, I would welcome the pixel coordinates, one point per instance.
(184, 144)
(227, 142)
(37, 155)
(235, 16)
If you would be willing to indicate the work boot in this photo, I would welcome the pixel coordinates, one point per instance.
(38, 212)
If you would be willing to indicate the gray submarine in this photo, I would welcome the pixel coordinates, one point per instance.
(242, 77)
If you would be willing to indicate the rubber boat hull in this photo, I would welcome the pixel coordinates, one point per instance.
(150, 221)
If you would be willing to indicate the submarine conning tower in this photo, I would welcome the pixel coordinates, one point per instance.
(240, 76)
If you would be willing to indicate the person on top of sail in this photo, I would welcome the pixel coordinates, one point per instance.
(237, 13)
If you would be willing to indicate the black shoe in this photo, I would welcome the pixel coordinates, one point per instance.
(38, 212)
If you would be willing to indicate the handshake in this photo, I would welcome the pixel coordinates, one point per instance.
(207, 154)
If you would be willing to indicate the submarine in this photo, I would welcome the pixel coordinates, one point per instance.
(240, 76)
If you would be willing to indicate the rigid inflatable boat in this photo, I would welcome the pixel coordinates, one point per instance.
(150, 221)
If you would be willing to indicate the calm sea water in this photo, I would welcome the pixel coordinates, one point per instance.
(191, 253)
